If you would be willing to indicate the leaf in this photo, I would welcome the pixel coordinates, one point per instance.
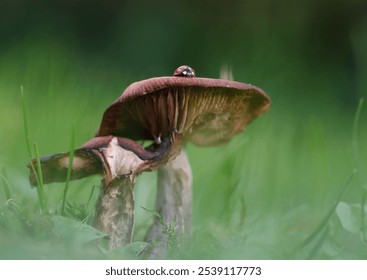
(136, 247)
(348, 216)
(130, 250)
(73, 230)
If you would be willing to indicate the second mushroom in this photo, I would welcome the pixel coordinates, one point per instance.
(169, 111)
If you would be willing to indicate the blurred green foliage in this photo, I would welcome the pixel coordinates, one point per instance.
(264, 193)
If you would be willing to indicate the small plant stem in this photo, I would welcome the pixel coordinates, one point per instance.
(70, 168)
(169, 229)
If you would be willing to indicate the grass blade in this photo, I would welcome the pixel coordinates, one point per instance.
(315, 249)
(90, 197)
(25, 122)
(70, 168)
(38, 173)
(324, 222)
(6, 184)
(363, 215)
(40, 189)
(6, 187)
(356, 151)
(359, 165)
(321, 228)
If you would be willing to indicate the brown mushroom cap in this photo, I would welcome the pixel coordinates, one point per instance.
(205, 111)
(90, 158)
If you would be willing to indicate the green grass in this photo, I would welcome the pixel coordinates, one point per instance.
(293, 186)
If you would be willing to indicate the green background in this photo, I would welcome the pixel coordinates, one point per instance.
(293, 186)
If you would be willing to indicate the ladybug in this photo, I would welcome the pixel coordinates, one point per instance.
(184, 71)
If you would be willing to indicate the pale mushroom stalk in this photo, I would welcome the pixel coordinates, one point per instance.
(173, 203)
(120, 161)
(115, 210)
(115, 205)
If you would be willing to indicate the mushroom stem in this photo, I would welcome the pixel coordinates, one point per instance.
(115, 210)
(115, 206)
(174, 204)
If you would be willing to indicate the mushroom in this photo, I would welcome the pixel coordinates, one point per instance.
(203, 111)
(170, 111)
(119, 160)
